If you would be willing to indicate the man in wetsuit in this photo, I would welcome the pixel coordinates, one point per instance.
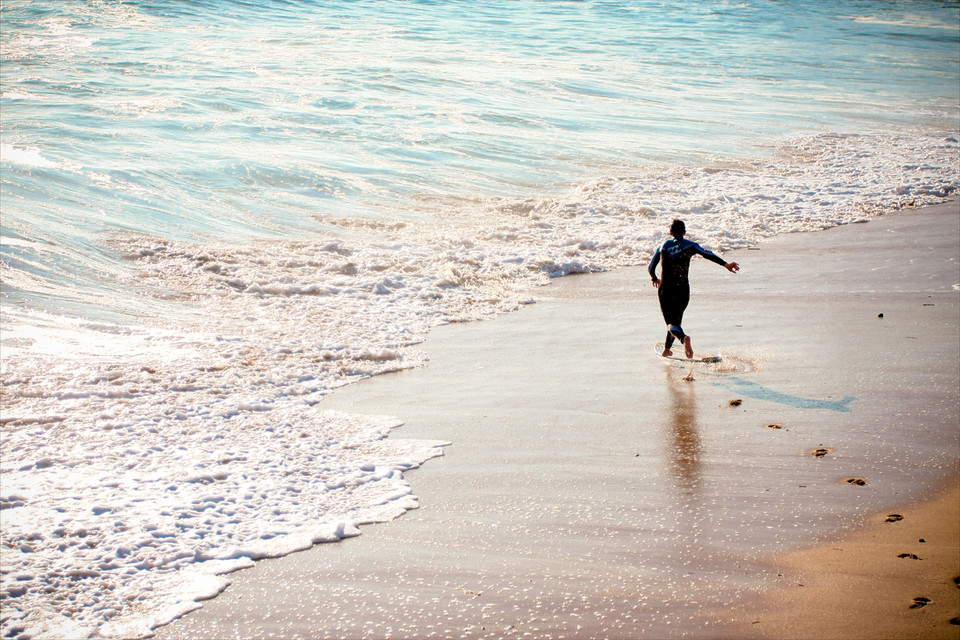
(674, 284)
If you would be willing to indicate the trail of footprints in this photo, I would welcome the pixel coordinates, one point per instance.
(920, 601)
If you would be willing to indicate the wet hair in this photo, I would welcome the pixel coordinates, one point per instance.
(678, 228)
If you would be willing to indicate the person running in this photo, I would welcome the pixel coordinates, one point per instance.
(673, 286)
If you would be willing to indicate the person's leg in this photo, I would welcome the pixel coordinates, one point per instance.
(676, 331)
(667, 309)
(673, 302)
(667, 351)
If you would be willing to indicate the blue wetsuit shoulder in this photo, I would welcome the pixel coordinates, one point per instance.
(675, 254)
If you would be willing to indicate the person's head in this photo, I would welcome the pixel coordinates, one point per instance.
(678, 229)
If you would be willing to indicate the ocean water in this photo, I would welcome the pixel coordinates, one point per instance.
(214, 213)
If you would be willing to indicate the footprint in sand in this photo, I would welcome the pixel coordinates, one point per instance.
(857, 481)
(894, 517)
(819, 453)
(919, 603)
(775, 425)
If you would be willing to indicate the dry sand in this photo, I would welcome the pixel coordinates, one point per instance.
(898, 578)
(591, 490)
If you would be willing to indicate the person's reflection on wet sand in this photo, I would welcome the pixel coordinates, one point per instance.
(684, 435)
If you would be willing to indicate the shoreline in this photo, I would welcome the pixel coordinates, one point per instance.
(896, 576)
(580, 500)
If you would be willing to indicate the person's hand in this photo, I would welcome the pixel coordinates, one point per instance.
(732, 267)
(656, 283)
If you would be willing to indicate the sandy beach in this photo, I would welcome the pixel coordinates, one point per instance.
(897, 578)
(592, 489)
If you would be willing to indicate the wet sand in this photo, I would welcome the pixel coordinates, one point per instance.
(594, 490)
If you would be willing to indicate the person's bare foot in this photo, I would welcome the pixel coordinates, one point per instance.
(666, 353)
(687, 347)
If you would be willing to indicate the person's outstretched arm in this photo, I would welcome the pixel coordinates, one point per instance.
(732, 267)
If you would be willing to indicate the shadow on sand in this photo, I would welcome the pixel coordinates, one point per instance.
(760, 392)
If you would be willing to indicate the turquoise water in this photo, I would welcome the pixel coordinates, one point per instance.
(215, 213)
(239, 119)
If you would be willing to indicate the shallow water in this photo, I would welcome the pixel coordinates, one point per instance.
(214, 213)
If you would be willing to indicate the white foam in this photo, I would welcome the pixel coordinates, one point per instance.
(29, 156)
(108, 518)
(17, 95)
(909, 20)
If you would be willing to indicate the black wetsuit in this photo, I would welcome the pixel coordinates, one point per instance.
(674, 291)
